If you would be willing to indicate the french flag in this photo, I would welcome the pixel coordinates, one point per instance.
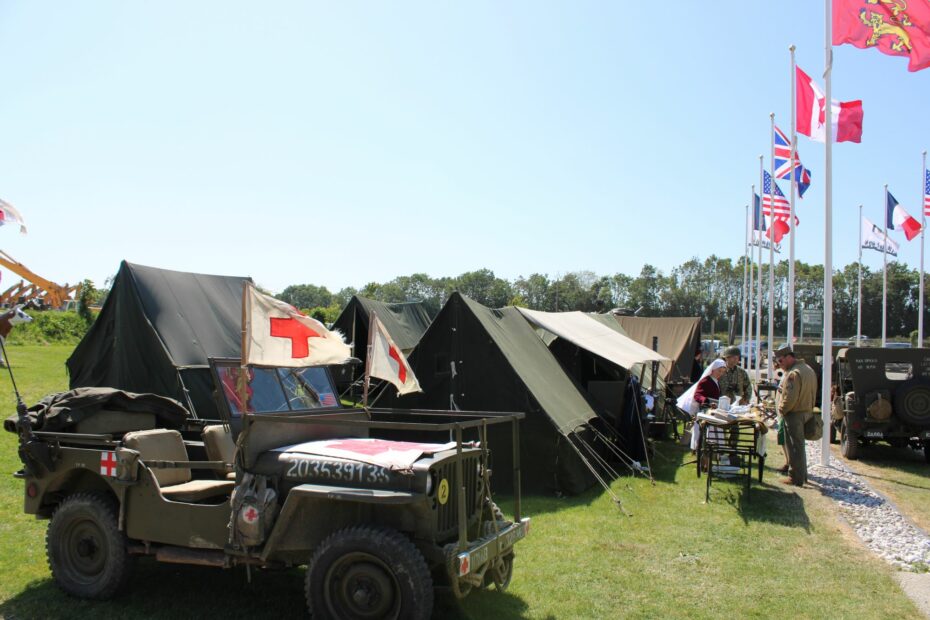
(812, 115)
(898, 219)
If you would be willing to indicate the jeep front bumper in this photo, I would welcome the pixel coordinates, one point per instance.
(476, 557)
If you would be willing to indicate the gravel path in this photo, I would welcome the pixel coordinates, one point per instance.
(877, 522)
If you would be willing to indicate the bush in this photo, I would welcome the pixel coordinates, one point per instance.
(49, 327)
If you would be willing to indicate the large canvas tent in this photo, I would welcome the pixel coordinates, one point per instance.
(678, 339)
(157, 330)
(606, 364)
(476, 358)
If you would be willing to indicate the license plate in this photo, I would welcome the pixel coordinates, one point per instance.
(471, 560)
(878, 434)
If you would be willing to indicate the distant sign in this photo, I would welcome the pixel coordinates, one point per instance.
(812, 321)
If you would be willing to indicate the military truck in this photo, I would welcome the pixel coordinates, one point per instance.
(287, 478)
(881, 395)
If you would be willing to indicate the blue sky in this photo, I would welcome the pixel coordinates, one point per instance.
(342, 143)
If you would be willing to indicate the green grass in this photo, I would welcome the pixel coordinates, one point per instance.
(781, 554)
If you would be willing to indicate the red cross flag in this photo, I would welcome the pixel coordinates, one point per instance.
(386, 360)
(277, 334)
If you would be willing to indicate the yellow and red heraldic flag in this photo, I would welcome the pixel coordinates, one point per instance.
(275, 333)
(894, 27)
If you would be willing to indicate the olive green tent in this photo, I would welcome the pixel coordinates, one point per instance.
(406, 322)
(476, 358)
(155, 334)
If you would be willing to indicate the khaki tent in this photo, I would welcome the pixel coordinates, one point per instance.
(678, 339)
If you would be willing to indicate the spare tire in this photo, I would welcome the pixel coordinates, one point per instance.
(912, 402)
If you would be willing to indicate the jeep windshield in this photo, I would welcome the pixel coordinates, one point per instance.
(273, 390)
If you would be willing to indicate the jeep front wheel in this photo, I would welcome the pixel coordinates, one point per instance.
(86, 550)
(363, 572)
(849, 443)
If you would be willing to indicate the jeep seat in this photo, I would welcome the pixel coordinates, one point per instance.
(176, 483)
(218, 442)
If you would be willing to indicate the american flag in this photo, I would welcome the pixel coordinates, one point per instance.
(926, 192)
(776, 206)
(327, 399)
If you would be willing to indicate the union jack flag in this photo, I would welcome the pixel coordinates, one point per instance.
(783, 170)
(776, 205)
(926, 192)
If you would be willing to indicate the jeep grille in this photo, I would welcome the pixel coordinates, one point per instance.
(447, 514)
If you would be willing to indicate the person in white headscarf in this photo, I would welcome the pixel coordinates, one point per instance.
(707, 388)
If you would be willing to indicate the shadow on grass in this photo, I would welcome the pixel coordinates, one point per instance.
(480, 604)
(158, 590)
(763, 503)
(668, 458)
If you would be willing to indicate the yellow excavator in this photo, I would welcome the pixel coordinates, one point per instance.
(33, 286)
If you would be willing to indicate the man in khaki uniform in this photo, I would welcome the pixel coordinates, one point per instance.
(794, 404)
(735, 381)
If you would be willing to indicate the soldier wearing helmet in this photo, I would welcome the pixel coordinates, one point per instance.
(735, 381)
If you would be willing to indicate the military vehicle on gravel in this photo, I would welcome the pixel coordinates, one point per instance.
(287, 477)
(881, 395)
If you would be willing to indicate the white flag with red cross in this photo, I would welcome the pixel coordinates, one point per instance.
(276, 334)
(386, 360)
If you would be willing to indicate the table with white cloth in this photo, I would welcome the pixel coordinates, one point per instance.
(727, 445)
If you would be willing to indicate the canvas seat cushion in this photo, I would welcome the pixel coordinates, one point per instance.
(197, 490)
(161, 445)
(218, 442)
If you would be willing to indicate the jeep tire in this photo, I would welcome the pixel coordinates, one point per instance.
(368, 572)
(86, 551)
(912, 403)
(849, 443)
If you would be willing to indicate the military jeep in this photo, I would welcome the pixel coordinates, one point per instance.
(881, 395)
(287, 478)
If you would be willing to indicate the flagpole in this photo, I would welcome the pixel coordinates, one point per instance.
(745, 298)
(859, 296)
(923, 225)
(759, 290)
(828, 237)
(792, 223)
(885, 273)
(771, 359)
(372, 326)
(752, 237)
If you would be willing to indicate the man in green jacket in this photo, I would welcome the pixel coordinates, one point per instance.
(794, 403)
(735, 381)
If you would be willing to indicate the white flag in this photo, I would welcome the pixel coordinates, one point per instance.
(386, 360)
(10, 215)
(759, 238)
(873, 238)
(277, 334)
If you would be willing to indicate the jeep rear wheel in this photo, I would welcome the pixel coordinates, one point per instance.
(849, 444)
(366, 573)
(86, 551)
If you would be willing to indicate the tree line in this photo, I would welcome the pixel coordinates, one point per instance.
(711, 288)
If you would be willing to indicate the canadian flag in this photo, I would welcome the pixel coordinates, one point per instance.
(899, 219)
(386, 360)
(277, 334)
(812, 115)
